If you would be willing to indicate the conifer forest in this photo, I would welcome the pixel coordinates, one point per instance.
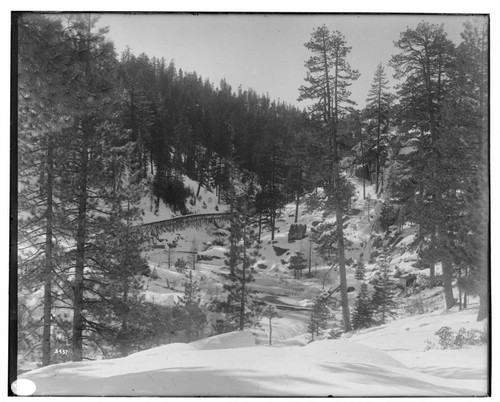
(158, 209)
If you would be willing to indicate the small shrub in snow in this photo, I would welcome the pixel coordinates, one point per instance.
(180, 265)
(218, 242)
(446, 337)
(335, 333)
(459, 340)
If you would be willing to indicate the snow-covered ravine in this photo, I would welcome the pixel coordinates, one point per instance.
(385, 360)
(381, 361)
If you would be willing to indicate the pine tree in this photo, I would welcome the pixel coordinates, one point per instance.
(328, 77)
(180, 265)
(320, 313)
(192, 317)
(101, 191)
(362, 315)
(427, 64)
(270, 312)
(473, 79)
(45, 77)
(377, 114)
(383, 299)
(359, 274)
(386, 216)
(241, 305)
(297, 264)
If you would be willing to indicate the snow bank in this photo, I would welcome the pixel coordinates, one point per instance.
(215, 252)
(238, 339)
(163, 299)
(332, 367)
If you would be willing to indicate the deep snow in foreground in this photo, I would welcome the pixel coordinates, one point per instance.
(388, 360)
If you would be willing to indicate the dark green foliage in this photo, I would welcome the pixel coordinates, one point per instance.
(439, 173)
(180, 265)
(241, 305)
(191, 316)
(320, 313)
(377, 116)
(359, 274)
(383, 299)
(270, 312)
(362, 314)
(159, 325)
(172, 191)
(387, 216)
(325, 236)
(297, 263)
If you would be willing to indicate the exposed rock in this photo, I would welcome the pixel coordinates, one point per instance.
(279, 251)
(297, 231)
(377, 242)
(374, 279)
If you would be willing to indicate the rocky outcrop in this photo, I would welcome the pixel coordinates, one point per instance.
(297, 232)
(279, 251)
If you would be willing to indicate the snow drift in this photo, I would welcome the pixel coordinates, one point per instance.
(227, 365)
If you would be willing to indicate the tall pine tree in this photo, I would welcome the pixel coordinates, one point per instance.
(328, 78)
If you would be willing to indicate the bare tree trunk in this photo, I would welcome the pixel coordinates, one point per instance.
(447, 281)
(297, 207)
(47, 290)
(80, 255)
(484, 307)
(242, 302)
(298, 195)
(270, 331)
(432, 276)
(260, 224)
(339, 215)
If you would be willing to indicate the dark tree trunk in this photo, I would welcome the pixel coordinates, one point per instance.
(242, 301)
(80, 255)
(260, 224)
(339, 214)
(447, 281)
(484, 302)
(299, 189)
(47, 291)
(270, 332)
(124, 346)
(297, 207)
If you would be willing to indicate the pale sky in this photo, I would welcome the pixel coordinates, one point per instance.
(265, 52)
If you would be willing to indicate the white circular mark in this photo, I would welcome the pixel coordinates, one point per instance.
(23, 387)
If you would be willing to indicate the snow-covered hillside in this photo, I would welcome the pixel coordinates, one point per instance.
(205, 203)
(388, 361)
(392, 359)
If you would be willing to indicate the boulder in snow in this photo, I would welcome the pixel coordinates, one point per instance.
(279, 251)
(377, 242)
(297, 231)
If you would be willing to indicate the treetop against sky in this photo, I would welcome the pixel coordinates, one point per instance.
(265, 52)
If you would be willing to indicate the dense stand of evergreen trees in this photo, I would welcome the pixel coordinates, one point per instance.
(95, 130)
